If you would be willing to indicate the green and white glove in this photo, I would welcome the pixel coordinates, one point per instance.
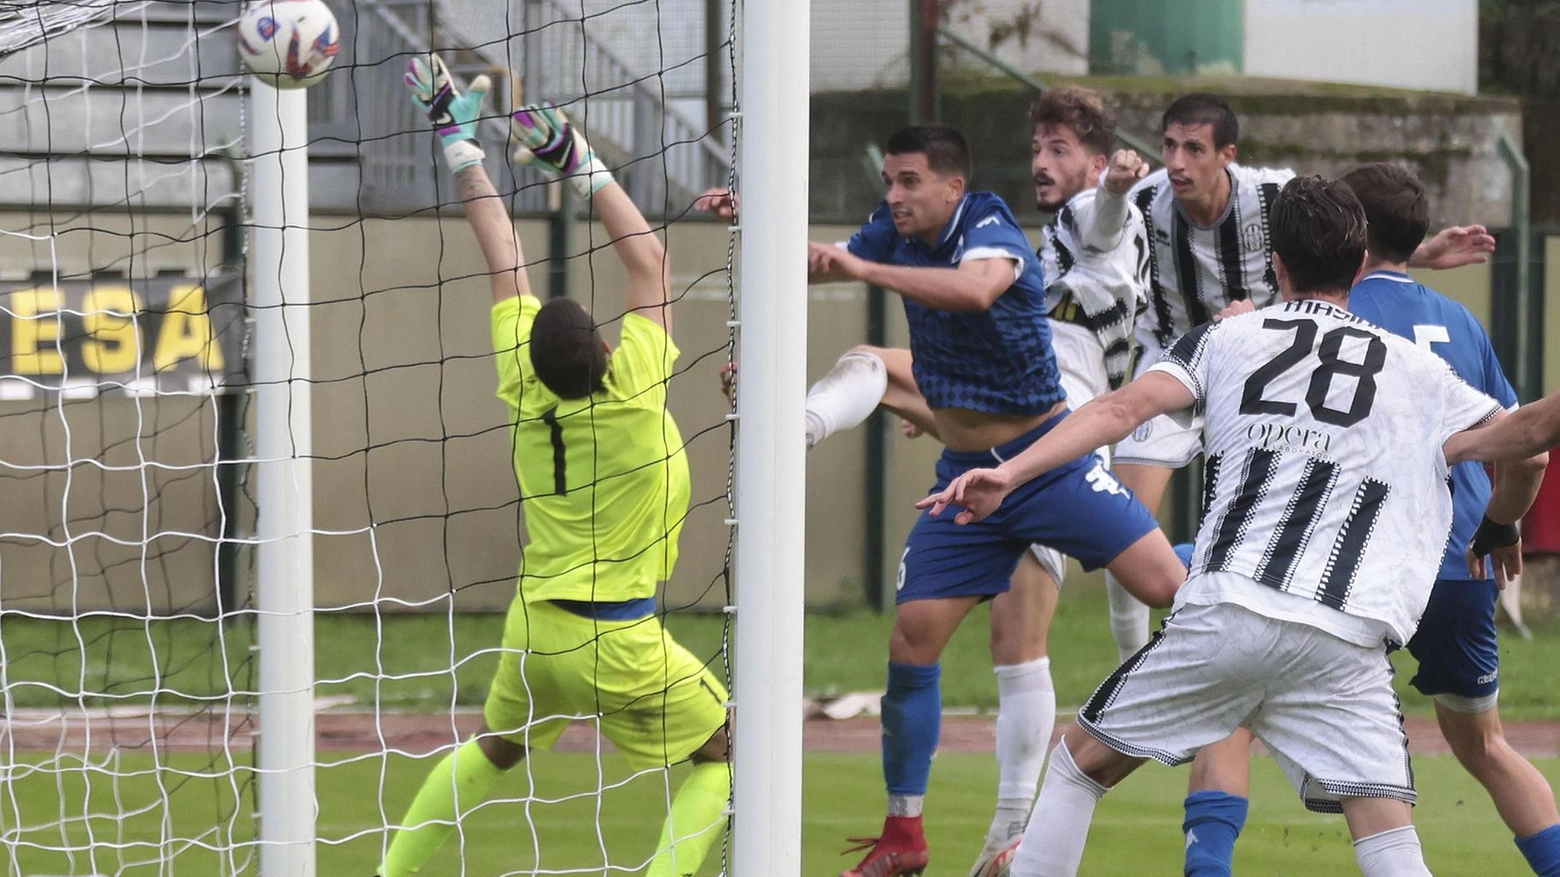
(454, 115)
(547, 138)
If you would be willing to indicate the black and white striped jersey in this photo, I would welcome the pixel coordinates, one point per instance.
(1325, 477)
(1195, 272)
(1097, 272)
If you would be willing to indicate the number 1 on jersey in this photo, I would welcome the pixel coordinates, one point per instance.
(560, 460)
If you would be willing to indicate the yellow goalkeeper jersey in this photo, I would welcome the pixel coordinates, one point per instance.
(603, 480)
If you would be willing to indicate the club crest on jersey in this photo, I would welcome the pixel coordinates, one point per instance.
(1251, 237)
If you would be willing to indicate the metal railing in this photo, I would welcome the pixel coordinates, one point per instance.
(663, 158)
(363, 124)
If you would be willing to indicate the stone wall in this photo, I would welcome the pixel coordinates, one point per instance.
(1449, 140)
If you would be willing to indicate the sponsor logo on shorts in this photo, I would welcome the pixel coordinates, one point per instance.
(1103, 481)
(1143, 431)
(1488, 678)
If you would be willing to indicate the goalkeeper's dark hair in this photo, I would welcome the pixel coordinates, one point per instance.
(1396, 207)
(946, 151)
(1318, 229)
(567, 351)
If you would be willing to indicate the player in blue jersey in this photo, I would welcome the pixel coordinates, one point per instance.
(974, 298)
(1455, 644)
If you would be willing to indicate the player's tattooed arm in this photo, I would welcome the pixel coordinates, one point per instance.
(1103, 421)
(495, 232)
(1455, 247)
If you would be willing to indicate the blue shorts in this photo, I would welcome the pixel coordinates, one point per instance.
(1455, 644)
(1078, 508)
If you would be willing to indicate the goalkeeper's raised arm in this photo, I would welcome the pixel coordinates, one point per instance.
(548, 140)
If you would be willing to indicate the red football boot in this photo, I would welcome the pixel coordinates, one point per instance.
(901, 850)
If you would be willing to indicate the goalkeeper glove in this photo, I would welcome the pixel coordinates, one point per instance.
(453, 114)
(548, 138)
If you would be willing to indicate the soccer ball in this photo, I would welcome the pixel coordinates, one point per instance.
(288, 43)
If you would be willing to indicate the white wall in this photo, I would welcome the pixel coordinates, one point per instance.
(1424, 44)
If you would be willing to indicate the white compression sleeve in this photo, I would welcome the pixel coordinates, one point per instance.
(1129, 618)
(846, 396)
(1394, 853)
(1059, 827)
(1026, 716)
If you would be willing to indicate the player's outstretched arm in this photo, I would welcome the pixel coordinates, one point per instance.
(1498, 538)
(1104, 226)
(548, 139)
(649, 269)
(454, 115)
(1103, 421)
(1455, 247)
(1530, 430)
(973, 286)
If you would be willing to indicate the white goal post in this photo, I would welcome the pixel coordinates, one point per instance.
(767, 674)
(284, 585)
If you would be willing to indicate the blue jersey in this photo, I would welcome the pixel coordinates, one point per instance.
(997, 361)
(1403, 307)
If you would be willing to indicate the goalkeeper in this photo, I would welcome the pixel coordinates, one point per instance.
(604, 484)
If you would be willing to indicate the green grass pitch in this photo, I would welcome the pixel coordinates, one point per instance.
(1135, 833)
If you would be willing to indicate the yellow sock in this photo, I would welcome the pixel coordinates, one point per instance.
(464, 778)
(698, 810)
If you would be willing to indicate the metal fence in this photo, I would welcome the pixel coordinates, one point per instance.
(366, 133)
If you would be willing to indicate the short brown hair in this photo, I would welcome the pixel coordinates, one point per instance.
(1080, 109)
(566, 350)
(1203, 108)
(947, 153)
(1396, 207)
(1318, 229)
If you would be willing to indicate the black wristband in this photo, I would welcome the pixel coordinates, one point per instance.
(1491, 535)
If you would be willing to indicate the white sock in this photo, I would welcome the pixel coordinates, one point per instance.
(846, 396)
(1026, 715)
(1059, 828)
(1393, 853)
(1128, 618)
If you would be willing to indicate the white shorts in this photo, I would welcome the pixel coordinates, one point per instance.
(1324, 707)
(1081, 360)
(1161, 441)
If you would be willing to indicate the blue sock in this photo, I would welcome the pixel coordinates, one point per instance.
(1213, 821)
(1542, 851)
(912, 722)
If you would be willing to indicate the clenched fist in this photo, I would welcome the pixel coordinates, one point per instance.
(1126, 168)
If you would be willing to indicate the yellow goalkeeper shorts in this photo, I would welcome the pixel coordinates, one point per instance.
(651, 697)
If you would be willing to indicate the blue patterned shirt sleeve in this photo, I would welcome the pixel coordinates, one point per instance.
(875, 240)
(994, 236)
